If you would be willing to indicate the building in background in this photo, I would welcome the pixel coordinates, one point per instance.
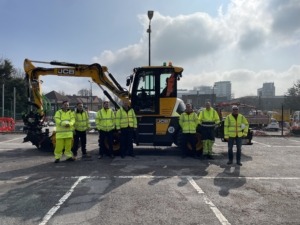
(222, 90)
(201, 90)
(92, 103)
(268, 90)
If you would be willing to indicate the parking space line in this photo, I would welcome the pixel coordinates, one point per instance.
(207, 201)
(261, 143)
(191, 180)
(53, 210)
(285, 146)
(184, 177)
(274, 146)
(11, 140)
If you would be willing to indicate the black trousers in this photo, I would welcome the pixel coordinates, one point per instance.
(127, 141)
(188, 138)
(102, 136)
(82, 136)
(207, 133)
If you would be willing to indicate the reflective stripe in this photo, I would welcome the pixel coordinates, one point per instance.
(105, 120)
(81, 121)
(188, 123)
(61, 117)
(126, 119)
(210, 117)
(232, 126)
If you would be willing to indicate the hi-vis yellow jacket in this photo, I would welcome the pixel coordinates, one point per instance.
(81, 121)
(61, 119)
(188, 122)
(208, 118)
(235, 127)
(105, 120)
(125, 119)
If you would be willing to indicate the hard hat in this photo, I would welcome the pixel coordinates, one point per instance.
(235, 107)
(105, 99)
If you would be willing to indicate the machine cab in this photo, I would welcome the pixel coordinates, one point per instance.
(154, 89)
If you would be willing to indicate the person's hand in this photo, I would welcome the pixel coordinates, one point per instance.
(67, 125)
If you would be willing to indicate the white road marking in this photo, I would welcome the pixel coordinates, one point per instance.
(221, 145)
(53, 210)
(215, 210)
(11, 140)
(274, 146)
(261, 143)
(185, 177)
(285, 146)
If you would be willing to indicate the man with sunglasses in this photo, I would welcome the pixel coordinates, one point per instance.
(235, 128)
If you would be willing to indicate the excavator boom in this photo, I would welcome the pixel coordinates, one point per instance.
(99, 74)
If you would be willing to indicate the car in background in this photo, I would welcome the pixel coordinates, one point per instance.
(92, 120)
(273, 125)
(51, 123)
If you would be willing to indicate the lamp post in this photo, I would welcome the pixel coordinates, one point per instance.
(3, 99)
(150, 16)
(15, 103)
(213, 95)
(91, 83)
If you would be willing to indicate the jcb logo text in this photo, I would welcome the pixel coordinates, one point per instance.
(66, 71)
(162, 121)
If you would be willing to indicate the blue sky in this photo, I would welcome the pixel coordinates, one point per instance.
(245, 42)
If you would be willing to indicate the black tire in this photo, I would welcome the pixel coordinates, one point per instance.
(116, 143)
(179, 142)
(178, 139)
(46, 144)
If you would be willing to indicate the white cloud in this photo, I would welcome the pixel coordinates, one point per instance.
(250, 43)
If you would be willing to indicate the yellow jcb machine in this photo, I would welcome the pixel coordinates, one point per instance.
(152, 93)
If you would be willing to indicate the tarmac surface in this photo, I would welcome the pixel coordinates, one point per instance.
(155, 187)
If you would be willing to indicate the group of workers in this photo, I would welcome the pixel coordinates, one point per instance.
(235, 128)
(74, 126)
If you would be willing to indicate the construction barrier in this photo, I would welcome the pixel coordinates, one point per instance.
(7, 124)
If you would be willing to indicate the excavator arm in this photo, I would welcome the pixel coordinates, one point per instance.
(99, 74)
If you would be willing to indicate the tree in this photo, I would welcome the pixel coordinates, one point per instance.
(12, 79)
(292, 99)
(62, 93)
(84, 92)
(6, 69)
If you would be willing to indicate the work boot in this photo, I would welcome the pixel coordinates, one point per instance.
(86, 156)
(56, 161)
(239, 163)
(71, 159)
(210, 157)
(229, 162)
